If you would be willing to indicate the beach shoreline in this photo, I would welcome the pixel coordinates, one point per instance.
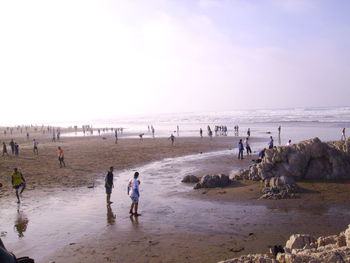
(219, 233)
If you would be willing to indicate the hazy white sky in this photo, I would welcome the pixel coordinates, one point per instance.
(82, 59)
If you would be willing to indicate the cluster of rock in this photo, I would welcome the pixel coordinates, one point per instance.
(208, 181)
(311, 159)
(306, 248)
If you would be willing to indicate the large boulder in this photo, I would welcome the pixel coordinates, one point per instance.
(311, 159)
(299, 241)
(190, 179)
(213, 181)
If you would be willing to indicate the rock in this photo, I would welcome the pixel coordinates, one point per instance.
(213, 181)
(311, 159)
(305, 248)
(299, 241)
(347, 236)
(190, 179)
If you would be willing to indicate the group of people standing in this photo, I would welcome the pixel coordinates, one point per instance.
(14, 148)
(132, 190)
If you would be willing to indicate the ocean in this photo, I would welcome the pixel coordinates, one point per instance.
(296, 123)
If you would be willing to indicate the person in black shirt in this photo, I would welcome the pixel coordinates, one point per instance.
(109, 184)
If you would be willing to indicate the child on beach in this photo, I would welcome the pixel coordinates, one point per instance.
(134, 193)
(271, 143)
(289, 143)
(109, 184)
(172, 138)
(16, 149)
(4, 149)
(12, 145)
(18, 181)
(247, 146)
(60, 154)
(35, 147)
(343, 134)
(240, 149)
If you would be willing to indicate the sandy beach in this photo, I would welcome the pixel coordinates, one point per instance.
(68, 222)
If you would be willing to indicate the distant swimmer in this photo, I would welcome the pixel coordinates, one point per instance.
(240, 149)
(60, 154)
(289, 143)
(134, 193)
(343, 134)
(109, 184)
(172, 138)
(18, 181)
(201, 132)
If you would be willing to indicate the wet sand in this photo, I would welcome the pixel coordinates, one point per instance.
(61, 219)
(87, 158)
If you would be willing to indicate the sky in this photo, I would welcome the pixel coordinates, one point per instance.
(81, 59)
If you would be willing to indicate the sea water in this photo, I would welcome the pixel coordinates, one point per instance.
(296, 123)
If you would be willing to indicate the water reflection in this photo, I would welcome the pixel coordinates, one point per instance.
(110, 216)
(135, 221)
(21, 223)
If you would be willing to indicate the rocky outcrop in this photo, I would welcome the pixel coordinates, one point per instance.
(212, 181)
(305, 248)
(311, 159)
(190, 179)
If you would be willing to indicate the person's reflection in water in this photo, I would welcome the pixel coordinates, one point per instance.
(21, 223)
(110, 216)
(135, 221)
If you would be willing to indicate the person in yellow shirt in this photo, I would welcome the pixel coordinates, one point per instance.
(18, 181)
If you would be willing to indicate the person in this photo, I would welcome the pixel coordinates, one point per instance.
(134, 193)
(116, 136)
(172, 138)
(7, 257)
(60, 154)
(279, 130)
(248, 132)
(247, 146)
(261, 156)
(343, 134)
(12, 145)
(18, 181)
(27, 136)
(201, 132)
(141, 136)
(16, 149)
(289, 143)
(240, 149)
(4, 149)
(109, 184)
(271, 143)
(35, 147)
